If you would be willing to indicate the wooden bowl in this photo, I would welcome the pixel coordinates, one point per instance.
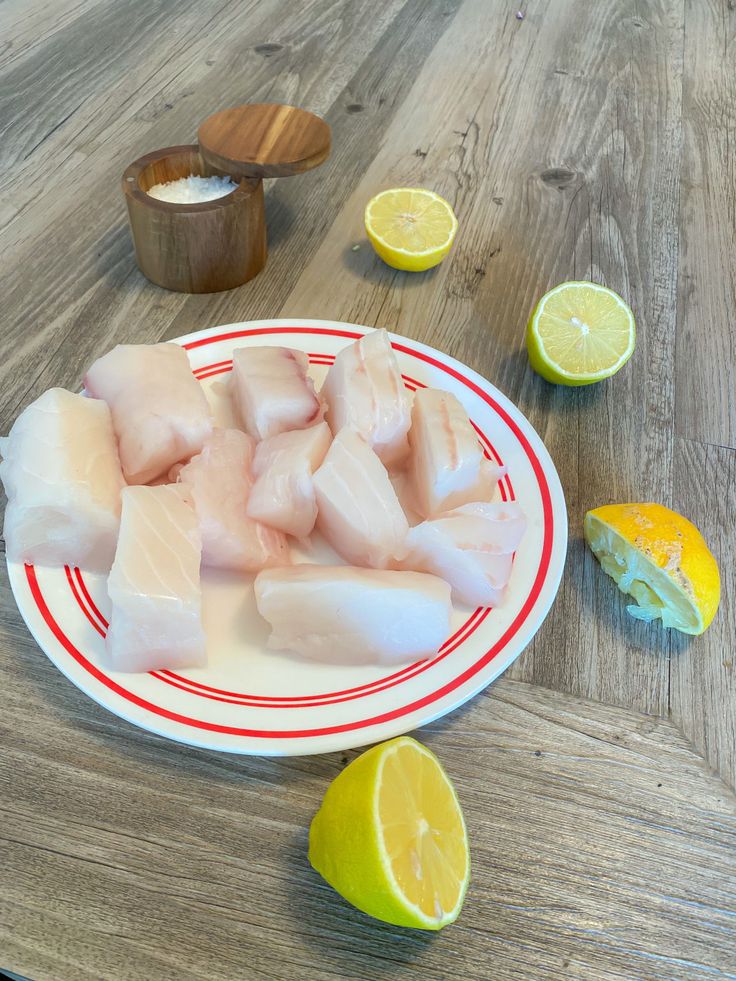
(194, 248)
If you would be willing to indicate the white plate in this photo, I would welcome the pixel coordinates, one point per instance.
(249, 700)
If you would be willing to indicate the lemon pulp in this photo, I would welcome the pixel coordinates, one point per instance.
(410, 228)
(390, 837)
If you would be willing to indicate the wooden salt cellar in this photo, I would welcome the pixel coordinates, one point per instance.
(219, 244)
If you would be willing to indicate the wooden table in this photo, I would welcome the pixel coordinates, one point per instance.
(582, 140)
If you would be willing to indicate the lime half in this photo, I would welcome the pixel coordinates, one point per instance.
(580, 333)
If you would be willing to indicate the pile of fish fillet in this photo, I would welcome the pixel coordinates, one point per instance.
(134, 480)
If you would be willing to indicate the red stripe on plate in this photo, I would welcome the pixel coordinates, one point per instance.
(332, 698)
(273, 733)
(211, 374)
(217, 364)
(259, 331)
(70, 580)
(184, 684)
(90, 602)
(296, 701)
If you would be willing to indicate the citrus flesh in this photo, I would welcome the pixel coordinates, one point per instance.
(410, 228)
(580, 333)
(660, 559)
(390, 837)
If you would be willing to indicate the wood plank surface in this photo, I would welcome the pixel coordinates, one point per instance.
(26, 24)
(602, 847)
(706, 355)
(582, 140)
(703, 670)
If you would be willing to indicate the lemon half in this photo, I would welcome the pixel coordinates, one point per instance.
(410, 228)
(580, 333)
(390, 837)
(660, 559)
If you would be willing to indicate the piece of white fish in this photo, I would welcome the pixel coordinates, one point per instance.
(447, 467)
(358, 511)
(365, 392)
(344, 615)
(159, 410)
(272, 391)
(63, 480)
(471, 548)
(220, 480)
(154, 583)
(283, 467)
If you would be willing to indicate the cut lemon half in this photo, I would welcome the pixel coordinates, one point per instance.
(410, 228)
(580, 333)
(390, 837)
(659, 558)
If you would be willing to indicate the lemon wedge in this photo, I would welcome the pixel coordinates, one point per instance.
(660, 559)
(580, 333)
(390, 837)
(410, 228)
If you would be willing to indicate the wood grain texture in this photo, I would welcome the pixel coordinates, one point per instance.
(264, 140)
(703, 670)
(213, 246)
(201, 870)
(26, 24)
(584, 140)
(706, 355)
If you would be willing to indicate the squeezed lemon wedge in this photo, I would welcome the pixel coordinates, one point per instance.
(660, 559)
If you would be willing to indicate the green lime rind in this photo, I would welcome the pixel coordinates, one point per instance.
(543, 365)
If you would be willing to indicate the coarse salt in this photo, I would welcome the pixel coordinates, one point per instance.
(193, 190)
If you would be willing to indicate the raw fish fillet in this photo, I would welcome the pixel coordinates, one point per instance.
(364, 391)
(272, 392)
(159, 410)
(447, 467)
(471, 548)
(344, 615)
(154, 584)
(219, 480)
(63, 479)
(283, 466)
(357, 508)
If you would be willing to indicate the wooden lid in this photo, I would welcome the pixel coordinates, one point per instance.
(264, 140)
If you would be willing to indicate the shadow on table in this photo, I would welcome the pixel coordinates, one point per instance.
(360, 259)
(115, 256)
(280, 215)
(542, 399)
(344, 938)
